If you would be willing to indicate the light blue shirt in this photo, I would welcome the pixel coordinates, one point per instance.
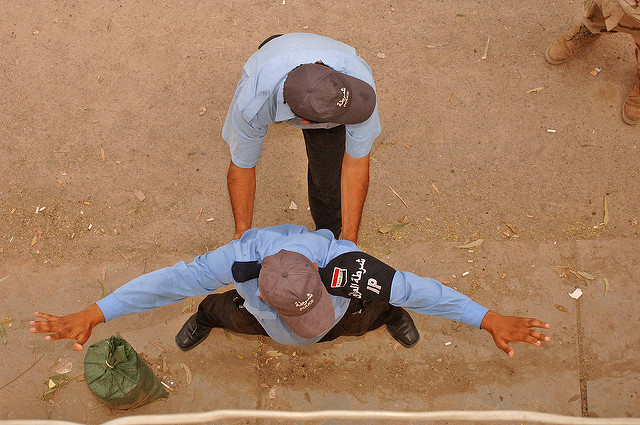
(212, 270)
(259, 101)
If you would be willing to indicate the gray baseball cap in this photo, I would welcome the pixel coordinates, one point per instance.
(318, 93)
(291, 285)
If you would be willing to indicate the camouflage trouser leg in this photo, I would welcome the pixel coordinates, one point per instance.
(597, 13)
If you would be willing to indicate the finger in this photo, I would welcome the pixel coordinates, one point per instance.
(81, 339)
(45, 326)
(539, 335)
(501, 344)
(53, 337)
(77, 346)
(45, 316)
(535, 323)
(529, 339)
(40, 327)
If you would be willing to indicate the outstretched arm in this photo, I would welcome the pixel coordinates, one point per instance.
(354, 185)
(203, 275)
(76, 326)
(507, 329)
(241, 183)
(428, 296)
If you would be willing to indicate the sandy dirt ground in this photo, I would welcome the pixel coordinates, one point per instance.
(111, 165)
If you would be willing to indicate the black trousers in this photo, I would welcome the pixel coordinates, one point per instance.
(226, 310)
(325, 150)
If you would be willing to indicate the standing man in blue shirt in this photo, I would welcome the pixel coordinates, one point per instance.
(299, 288)
(321, 86)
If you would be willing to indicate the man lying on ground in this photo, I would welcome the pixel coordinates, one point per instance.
(296, 286)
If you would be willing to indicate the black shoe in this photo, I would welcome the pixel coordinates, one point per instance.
(403, 330)
(191, 334)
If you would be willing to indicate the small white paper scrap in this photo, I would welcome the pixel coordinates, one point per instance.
(448, 343)
(576, 294)
(293, 206)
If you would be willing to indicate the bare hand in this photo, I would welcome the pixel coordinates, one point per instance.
(507, 329)
(76, 326)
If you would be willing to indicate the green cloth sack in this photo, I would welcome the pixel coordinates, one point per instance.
(118, 376)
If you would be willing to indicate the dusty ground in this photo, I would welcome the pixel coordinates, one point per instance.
(104, 103)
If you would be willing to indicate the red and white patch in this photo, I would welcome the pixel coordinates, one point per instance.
(339, 278)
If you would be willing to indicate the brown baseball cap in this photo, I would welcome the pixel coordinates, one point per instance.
(316, 92)
(291, 285)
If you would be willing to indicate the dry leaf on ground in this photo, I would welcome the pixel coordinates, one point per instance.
(54, 383)
(391, 227)
(578, 275)
(511, 227)
(471, 244)
(3, 334)
(187, 372)
(158, 346)
(561, 308)
(586, 275)
(188, 307)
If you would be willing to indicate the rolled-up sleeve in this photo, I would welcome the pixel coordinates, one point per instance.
(428, 296)
(360, 137)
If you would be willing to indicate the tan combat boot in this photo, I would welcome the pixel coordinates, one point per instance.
(631, 108)
(569, 44)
